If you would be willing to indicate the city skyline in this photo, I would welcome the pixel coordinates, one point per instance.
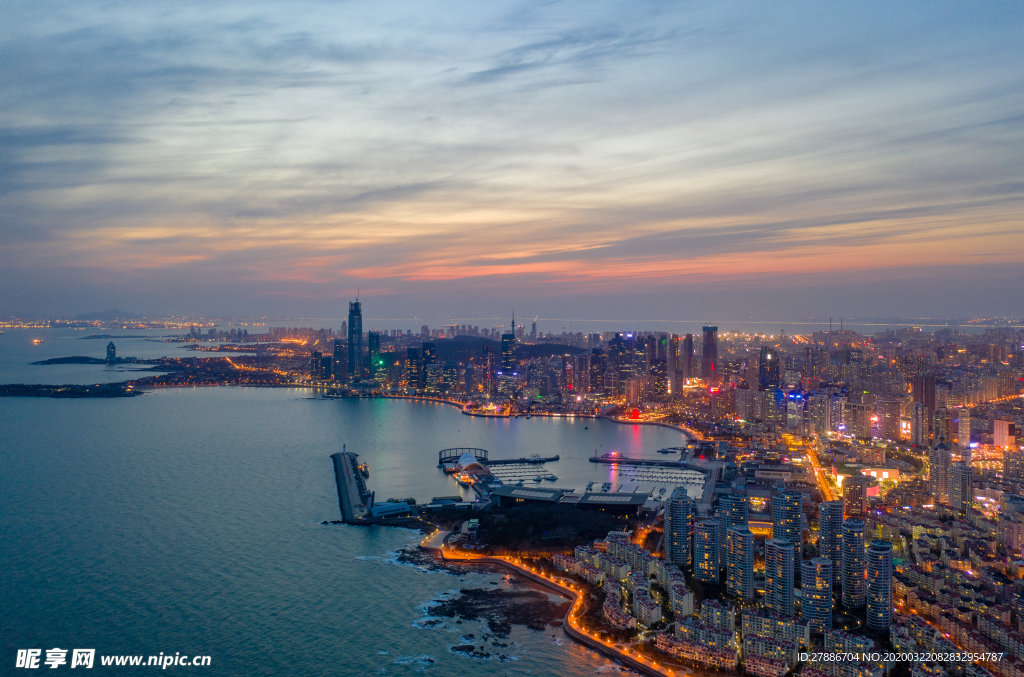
(256, 160)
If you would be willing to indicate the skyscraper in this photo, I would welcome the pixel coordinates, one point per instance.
(855, 495)
(377, 363)
(679, 511)
(732, 512)
(879, 585)
(356, 366)
(830, 539)
(686, 357)
(508, 345)
(924, 392)
(919, 425)
(853, 564)
(413, 368)
(111, 353)
(786, 514)
(939, 461)
(768, 368)
(816, 585)
(961, 488)
(709, 359)
(739, 565)
(429, 353)
(340, 360)
(707, 551)
(778, 576)
(739, 579)
(1013, 464)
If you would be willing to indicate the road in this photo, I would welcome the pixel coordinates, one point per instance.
(569, 588)
(819, 474)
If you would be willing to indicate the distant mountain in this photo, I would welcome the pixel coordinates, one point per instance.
(106, 315)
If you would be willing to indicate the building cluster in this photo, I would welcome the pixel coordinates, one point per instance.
(962, 585)
(624, 567)
(904, 386)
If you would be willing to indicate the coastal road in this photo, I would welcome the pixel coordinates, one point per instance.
(569, 588)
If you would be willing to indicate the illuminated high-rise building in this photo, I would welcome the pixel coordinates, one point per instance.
(778, 576)
(111, 353)
(429, 353)
(963, 427)
(888, 410)
(508, 346)
(853, 564)
(939, 462)
(671, 358)
(830, 534)
(356, 364)
(816, 578)
(707, 551)
(686, 357)
(855, 495)
(1013, 464)
(679, 512)
(739, 578)
(919, 425)
(581, 374)
(709, 357)
(879, 585)
(340, 360)
(1004, 433)
(961, 488)
(413, 368)
(924, 392)
(768, 368)
(315, 366)
(817, 414)
(786, 517)
(732, 512)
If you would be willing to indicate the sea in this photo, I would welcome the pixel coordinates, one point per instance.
(189, 521)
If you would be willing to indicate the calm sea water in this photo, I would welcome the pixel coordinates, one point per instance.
(188, 521)
(17, 352)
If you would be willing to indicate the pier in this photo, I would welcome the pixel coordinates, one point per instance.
(625, 460)
(354, 498)
(448, 458)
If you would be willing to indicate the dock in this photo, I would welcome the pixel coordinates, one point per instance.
(448, 458)
(610, 460)
(536, 460)
(354, 498)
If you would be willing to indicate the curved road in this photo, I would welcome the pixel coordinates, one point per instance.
(566, 588)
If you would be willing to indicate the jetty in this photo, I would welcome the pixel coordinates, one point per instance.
(354, 499)
(449, 458)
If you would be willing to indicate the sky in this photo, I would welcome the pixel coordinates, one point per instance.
(586, 159)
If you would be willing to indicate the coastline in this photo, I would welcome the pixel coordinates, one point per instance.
(625, 421)
(611, 651)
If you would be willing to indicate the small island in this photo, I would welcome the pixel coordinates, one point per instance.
(73, 359)
(69, 391)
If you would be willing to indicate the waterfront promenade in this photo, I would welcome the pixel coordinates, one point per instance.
(566, 588)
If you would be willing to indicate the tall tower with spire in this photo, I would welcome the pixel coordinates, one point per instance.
(508, 344)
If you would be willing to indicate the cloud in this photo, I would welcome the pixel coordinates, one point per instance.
(587, 147)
